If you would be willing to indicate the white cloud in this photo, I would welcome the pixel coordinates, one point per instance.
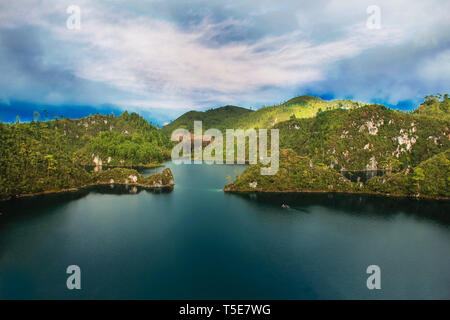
(160, 61)
(165, 65)
(437, 68)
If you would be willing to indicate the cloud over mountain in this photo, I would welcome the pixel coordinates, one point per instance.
(171, 55)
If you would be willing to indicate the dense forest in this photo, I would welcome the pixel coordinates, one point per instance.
(411, 149)
(431, 178)
(321, 142)
(230, 117)
(52, 155)
(370, 137)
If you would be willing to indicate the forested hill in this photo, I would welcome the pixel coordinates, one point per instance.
(220, 118)
(371, 137)
(50, 155)
(230, 117)
(343, 134)
(410, 148)
(437, 106)
(127, 139)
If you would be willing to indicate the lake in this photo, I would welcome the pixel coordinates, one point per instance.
(198, 242)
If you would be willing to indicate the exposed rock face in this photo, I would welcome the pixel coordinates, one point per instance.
(132, 177)
(163, 179)
(98, 161)
(435, 139)
(344, 134)
(373, 164)
(372, 128)
(405, 143)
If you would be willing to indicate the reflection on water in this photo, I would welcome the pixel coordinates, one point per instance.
(362, 205)
(198, 242)
(27, 206)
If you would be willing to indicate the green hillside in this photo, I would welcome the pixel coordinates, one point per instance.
(295, 174)
(321, 139)
(220, 118)
(435, 106)
(431, 178)
(370, 137)
(231, 117)
(298, 108)
(51, 155)
(412, 149)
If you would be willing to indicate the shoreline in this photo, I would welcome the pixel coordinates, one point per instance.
(389, 195)
(48, 192)
(140, 166)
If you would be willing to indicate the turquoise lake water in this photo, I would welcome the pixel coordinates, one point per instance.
(198, 242)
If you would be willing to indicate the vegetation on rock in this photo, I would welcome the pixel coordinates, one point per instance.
(296, 173)
(50, 155)
(430, 178)
(370, 137)
(411, 148)
(435, 106)
(132, 177)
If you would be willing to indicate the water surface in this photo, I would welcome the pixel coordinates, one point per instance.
(199, 242)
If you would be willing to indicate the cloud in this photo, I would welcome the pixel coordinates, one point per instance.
(167, 55)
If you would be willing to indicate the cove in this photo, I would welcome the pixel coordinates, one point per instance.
(198, 242)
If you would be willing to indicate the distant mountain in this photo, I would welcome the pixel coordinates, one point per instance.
(343, 134)
(220, 118)
(230, 117)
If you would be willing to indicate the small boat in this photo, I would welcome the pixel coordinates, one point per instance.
(285, 206)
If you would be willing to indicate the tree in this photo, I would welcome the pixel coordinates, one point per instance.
(51, 163)
(36, 116)
(431, 99)
(417, 177)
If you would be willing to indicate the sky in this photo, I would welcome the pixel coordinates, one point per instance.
(163, 58)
